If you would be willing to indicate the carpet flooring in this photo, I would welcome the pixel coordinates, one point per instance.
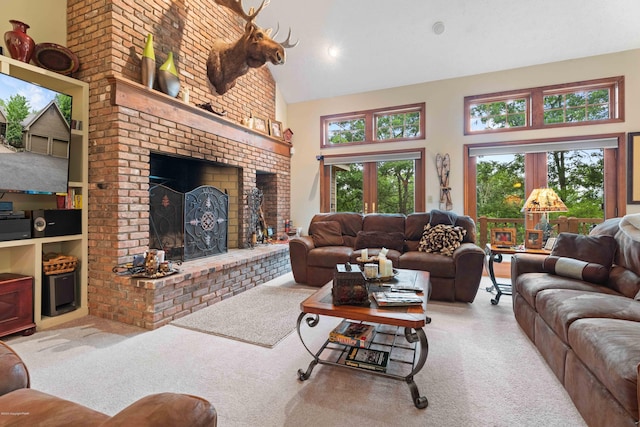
(481, 371)
(241, 316)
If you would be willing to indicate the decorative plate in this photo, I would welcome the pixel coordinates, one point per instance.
(55, 57)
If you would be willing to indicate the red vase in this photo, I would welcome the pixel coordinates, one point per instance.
(20, 45)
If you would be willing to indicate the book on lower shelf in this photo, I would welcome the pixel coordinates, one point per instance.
(396, 299)
(375, 360)
(351, 333)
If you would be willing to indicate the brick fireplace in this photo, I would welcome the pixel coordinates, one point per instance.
(129, 124)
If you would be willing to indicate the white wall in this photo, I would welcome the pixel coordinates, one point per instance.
(444, 113)
(47, 19)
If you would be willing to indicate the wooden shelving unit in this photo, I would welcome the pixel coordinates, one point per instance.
(25, 256)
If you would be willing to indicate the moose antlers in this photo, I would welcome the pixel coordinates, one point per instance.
(228, 61)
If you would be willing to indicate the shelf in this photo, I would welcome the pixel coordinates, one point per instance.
(24, 256)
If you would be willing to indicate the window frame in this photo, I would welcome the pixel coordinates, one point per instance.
(535, 105)
(370, 119)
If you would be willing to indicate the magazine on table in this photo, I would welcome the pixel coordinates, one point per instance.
(375, 360)
(352, 333)
(396, 299)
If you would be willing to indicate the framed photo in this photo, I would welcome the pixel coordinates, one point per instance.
(275, 129)
(551, 241)
(503, 236)
(633, 172)
(533, 239)
(260, 124)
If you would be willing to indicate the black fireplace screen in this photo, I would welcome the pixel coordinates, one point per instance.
(190, 225)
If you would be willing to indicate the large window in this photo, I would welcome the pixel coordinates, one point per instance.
(391, 182)
(588, 173)
(571, 104)
(391, 124)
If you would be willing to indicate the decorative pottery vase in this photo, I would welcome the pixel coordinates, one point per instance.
(19, 44)
(168, 77)
(148, 63)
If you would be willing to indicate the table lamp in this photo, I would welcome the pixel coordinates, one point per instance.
(544, 200)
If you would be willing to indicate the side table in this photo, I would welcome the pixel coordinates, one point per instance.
(494, 253)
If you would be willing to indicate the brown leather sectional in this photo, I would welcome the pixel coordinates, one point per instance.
(588, 330)
(21, 405)
(453, 278)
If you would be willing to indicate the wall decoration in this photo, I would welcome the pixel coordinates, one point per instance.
(19, 43)
(168, 77)
(288, 135)
(275, 129)
(148, 63)
(443, 165)
(228, 61)
(260, 124)
(503, 236)
(533, 239)
(633, 172)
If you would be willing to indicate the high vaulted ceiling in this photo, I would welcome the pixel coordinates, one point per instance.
(391, 43)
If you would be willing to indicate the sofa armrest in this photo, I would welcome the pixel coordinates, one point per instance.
(469, 262)
(299, 247)
(14, 374)
(166, 409)
(526, 263)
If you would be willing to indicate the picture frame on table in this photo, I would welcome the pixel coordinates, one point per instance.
(260, 124)
(275, 129)
(503, 236)
(533, 239)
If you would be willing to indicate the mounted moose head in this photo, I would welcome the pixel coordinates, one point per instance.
(228, 61)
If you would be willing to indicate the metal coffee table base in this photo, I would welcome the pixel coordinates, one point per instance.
(402, 339)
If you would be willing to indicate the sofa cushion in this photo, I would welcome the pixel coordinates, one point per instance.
(610, 348)
(377, 239)
(576, 269)
(441, 238)
(326, 233)
(559, 308)
(594, 255)
(528, 285)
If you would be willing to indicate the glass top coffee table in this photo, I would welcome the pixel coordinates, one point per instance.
(399, 331)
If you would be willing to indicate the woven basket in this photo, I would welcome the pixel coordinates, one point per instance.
(53, 263)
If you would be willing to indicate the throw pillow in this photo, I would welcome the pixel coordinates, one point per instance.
(582, 257)
(326, 233)
(441, 238)
(377, 239)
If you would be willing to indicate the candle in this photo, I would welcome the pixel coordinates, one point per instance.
(364, 254)
(386, 268)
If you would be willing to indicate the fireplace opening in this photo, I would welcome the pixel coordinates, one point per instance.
(193, 207)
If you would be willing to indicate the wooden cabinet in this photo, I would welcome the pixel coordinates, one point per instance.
(24, 256)
(16, 304)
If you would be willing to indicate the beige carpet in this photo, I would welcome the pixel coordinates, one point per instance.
(481, 371)
(263, 315)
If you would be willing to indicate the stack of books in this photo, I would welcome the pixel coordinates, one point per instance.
(352, 334)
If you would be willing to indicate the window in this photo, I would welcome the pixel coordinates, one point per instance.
(391, 124)
(571, 104)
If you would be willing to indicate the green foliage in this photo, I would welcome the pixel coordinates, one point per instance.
(345, 131)
(396, 187)
(499, 114)
(400, 125)
(64, 103)
(17, 109)
(349, 196)
(500, 187)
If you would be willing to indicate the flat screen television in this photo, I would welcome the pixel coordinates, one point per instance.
(35, 137)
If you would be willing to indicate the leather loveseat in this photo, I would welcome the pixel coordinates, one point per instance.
(580, 307)
(337, 238)
(22, 406)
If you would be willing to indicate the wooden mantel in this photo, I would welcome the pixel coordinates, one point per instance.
(129, 94)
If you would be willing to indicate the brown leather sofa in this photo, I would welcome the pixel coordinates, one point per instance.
(453, 278)
(584, 317)
(22, 406)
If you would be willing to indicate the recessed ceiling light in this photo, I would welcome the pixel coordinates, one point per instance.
(333, 51)
(438, 28)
